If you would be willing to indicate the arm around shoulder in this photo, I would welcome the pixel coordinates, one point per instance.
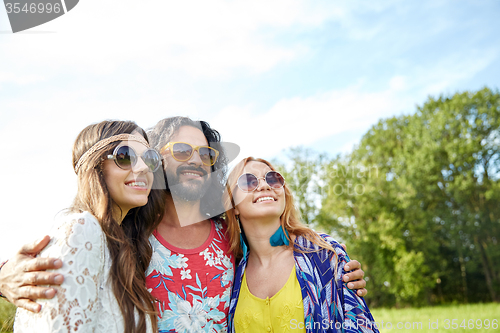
(79, 241)
(22, 277)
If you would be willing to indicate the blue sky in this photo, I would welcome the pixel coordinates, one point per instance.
(267, 74)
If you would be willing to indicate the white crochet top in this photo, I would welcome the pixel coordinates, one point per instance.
(85, 301)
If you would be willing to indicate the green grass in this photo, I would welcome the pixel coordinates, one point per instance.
(475, 315)
(7, 313)
(477, 312)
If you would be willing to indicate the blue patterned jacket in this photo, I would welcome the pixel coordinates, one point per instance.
(329, 306)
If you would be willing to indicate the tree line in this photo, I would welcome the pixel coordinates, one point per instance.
(416, 201)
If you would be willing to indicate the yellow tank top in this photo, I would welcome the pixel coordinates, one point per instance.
(284, 312)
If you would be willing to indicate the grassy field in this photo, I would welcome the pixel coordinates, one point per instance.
(440, 319)
(391, 320)
(7, 312)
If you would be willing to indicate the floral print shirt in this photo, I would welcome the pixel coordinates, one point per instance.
(192, 287)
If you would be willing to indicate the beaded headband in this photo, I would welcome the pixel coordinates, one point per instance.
(103, 143)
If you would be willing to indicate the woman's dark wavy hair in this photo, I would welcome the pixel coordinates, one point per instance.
(160, 135)
(127, 242)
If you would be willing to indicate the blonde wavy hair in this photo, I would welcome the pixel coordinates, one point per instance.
(290, 220)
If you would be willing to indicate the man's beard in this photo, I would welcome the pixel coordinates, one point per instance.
(190, 190)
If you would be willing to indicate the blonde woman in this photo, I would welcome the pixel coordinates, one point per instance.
(290, 277)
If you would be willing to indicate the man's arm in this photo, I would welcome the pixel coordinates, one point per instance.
(21, 276)
(355, 276)
(78, 241)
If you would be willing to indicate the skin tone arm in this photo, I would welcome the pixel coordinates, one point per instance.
(22, 275)
(355, 276)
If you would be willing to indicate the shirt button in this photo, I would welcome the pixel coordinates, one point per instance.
(267, 302)
(269, 328)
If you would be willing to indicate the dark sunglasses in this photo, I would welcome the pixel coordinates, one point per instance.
(182, 152)
(248, 182)
(125, 158)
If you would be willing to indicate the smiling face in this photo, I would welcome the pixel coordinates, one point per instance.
(129, 188)
(264, 202)
(190, 179)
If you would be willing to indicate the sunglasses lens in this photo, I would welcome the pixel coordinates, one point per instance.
(275, 179)
(151, 159)
(125, 157)
(248, 182)
(182, 152)
(207, 155)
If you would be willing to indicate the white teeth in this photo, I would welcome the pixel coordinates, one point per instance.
(140, 184)
(265, 199)
(192, 174)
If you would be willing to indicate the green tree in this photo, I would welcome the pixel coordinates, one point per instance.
(417, 201)
(466, 152)
(368, 203)
(303, 175)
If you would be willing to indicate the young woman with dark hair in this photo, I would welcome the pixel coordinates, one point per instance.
(102, 238)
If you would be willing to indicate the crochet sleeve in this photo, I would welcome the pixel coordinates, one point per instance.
(78, 240)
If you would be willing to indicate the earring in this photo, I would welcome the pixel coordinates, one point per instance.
(243, 239)
(279, 238)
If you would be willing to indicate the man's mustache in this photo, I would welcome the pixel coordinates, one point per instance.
(190, 168)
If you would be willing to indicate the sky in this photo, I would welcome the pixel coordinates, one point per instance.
(268, 75)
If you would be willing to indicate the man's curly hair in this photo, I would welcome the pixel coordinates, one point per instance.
(165, 129)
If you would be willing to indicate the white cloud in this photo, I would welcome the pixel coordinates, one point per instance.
(198, 37)
(301, 121)
(10, 77)
(445, 73)
(398, 82)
